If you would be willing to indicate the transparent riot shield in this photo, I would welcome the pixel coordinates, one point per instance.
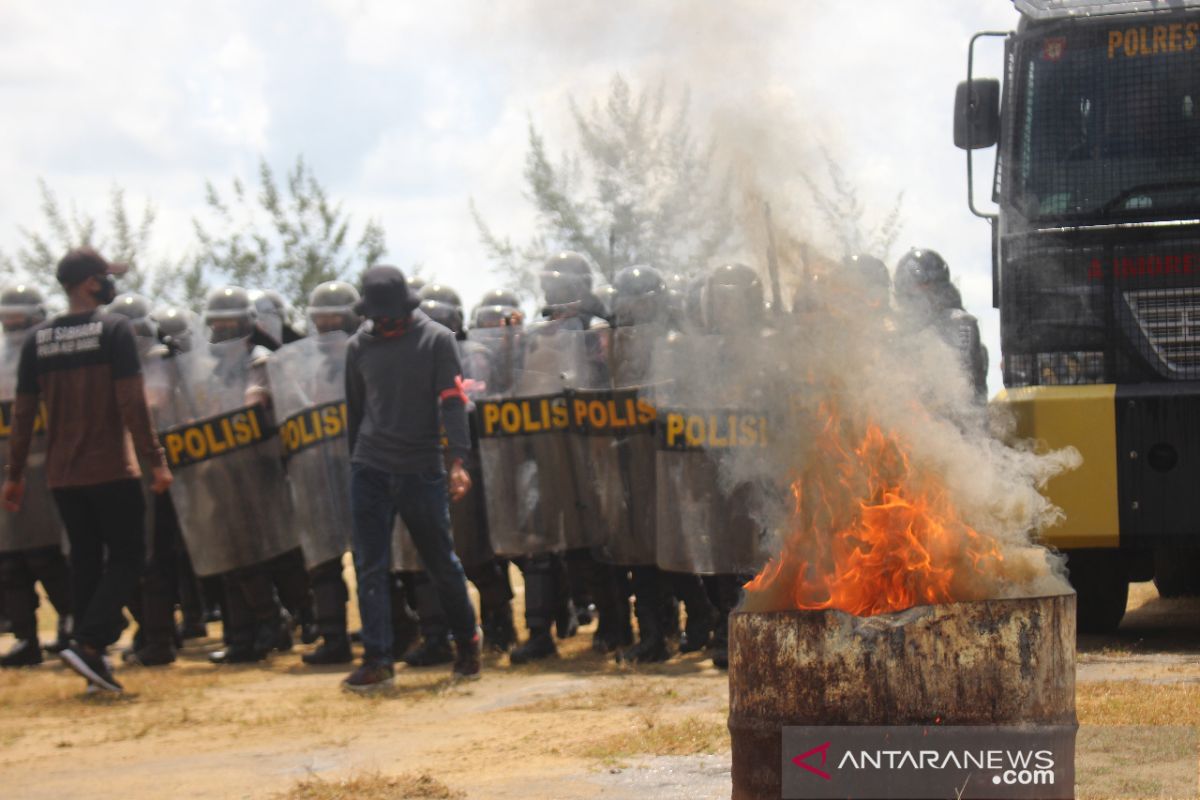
(482, 360)
(614, 452)
(705, 525)
(521, 418)
(307, 380)
(36, 525)
(230, 489)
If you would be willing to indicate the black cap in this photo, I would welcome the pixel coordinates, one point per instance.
(386, 294)
(84, 262)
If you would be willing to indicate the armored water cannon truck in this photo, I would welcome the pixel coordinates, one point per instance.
(1095, 222)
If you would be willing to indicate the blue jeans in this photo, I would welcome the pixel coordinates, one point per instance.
(423, 504)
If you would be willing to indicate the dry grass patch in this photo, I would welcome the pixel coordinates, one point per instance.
(688, 736)
(1134, 703)
(634, 694)
(409, 786)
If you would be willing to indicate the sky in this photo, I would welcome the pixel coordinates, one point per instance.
(408, 111)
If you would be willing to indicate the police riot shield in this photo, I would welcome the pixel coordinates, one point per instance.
(307, 380)
(230, 489)
(612, 422)
(468, 516)
(522, 421)
(36, 525)
(705, 525)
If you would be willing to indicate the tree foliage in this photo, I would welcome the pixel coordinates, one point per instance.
(289, 238)
(638, 189)
(846, 218)
(126, 237)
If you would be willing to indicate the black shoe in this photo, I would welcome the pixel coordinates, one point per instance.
(193, 630)
(585, 614)
(430, 653)
(309, 633)
(283, 639)
(150, 655)
(25, 653)
(499, 633)
(370, 678)
(566, 624)
(356, 637)
(92, 666)
(696, 633)
(650, 650)
(538, 646)
(466, 658)
(720, 657)
(237, 654)
(333, 650)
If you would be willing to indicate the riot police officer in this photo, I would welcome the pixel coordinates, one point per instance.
(641, 319)
(306, 377)
(469, 517)
(31, 539)
(153, 607)
(561, 589)
(264, 566)
(925, 296)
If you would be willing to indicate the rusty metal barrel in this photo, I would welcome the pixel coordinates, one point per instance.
(991, 662)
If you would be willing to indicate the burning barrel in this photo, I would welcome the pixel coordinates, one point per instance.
(984, 662)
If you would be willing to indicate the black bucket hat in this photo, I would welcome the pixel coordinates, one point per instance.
(385, 293)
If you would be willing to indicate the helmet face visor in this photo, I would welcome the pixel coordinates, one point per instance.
(643, 309)
(730, 308)
(561, 288)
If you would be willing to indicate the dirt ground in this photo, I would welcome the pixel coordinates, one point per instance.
(578, 726)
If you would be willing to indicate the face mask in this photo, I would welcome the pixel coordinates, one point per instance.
(107, 291)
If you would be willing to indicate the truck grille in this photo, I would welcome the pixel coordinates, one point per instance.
(1169, 319)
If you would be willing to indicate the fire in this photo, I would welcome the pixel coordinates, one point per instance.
(869, 536)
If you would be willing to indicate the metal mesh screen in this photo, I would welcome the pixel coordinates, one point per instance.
(1101, 279)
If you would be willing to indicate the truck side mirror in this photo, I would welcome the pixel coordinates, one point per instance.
(977, 114)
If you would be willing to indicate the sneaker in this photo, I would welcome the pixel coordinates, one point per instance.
(466, 658)
(25, 653)
(92, 666)
(150, 655)
(430, 653)
(370, 678)
(540, 645)
(333, 650)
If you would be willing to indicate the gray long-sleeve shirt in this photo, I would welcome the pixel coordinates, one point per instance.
(401, 392)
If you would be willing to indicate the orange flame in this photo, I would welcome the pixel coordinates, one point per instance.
(869, 537)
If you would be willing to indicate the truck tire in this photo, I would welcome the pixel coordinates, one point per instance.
(1101, 582)
(1177, 572)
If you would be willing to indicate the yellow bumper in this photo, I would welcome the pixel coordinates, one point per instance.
(1083, 417)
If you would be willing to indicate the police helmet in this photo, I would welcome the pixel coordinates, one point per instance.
(872, 276)
(606, 295)
(21, 306)
(732, 298)
(331, 307)
(174, 326)
(230, 313)
(416, 284)
(501, 297)
(441, 293)
(566, 278)
(640, 296)
(444, 314)
(920, 270)
(496, 316)
(137, 309)
(276, 315)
